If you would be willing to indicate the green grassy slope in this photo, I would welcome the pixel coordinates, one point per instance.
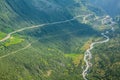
(9, 19)
(44, 59)
(52, 52)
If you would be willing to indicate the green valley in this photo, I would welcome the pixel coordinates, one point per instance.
(50, 40)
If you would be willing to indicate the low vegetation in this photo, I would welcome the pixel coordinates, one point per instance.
(56, 51)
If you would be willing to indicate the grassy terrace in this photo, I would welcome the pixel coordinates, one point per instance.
(13, 40)
(75, 57)
(2, 35)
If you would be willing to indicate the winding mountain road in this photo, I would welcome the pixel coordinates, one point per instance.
(19, 30)
(16, 51)
(28, 45)
(88, 54)
(85, 18)
(26, 28)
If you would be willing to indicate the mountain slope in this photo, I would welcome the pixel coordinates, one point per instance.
(40, 53)
(53, 50)
(107, 5)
